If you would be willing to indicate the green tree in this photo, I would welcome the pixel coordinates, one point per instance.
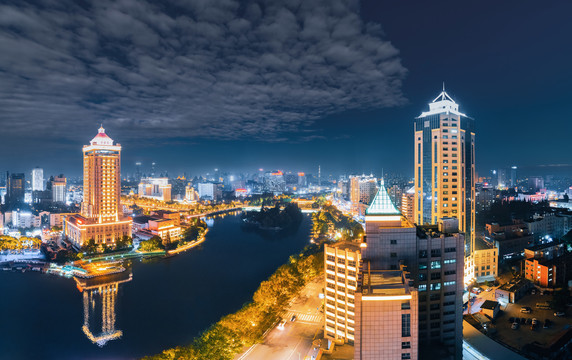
(153, 244)
(89, 247)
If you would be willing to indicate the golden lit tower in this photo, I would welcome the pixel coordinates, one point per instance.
(101, 216)
(445, 166)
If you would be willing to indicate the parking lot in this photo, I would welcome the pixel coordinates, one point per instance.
(523, 334)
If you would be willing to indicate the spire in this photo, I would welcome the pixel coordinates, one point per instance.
(382, 204)
(101, 129)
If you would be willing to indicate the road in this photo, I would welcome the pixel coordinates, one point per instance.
(295, 340)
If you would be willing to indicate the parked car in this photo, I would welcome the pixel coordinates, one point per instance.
(547, 323)
(525, 310)
(533, 292)
(532, 326)
(528, 321)
(559, 314)
(534, 321)
(511, 320)
(523, 321)
(514, 326)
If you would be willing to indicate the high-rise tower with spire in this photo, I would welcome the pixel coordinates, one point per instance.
(445, 166)
(101, 216)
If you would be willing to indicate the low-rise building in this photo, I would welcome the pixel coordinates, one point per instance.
(482, 265)
(490, 308)
(548, 272)
(513, 291)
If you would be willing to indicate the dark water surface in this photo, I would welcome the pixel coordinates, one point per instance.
(166, 303)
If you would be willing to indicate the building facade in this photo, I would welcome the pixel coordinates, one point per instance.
(342, 261)
(101, 216)
(155, 188)
(445, 166)
(59, 187)
(38, 179)
(408, 205)
(386, 316)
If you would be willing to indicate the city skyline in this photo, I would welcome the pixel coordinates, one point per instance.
(123, 86)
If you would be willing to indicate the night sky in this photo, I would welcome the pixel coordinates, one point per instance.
(242, 85)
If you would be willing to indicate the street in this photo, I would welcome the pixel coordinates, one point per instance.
(295, 340)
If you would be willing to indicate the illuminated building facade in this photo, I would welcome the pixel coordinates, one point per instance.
(433, 255)
(362, 191)
(59, 187)
(38, 179)
(342, 261)
(445, 166)
(482, 264)
(386, 316)
(101, 216)
(408, 205)
(15, 187)
(155, 188)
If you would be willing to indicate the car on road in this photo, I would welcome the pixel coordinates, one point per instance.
(281, 325)
(559, 314)
(293, 318)
(525, 310)
(488, 289)
(514, 326)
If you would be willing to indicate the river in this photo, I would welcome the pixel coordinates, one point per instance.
(155, 305)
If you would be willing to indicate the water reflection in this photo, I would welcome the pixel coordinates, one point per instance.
(99, 306)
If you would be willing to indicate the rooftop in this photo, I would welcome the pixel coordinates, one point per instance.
(443, 103)
(489, 305)
(101, 138)
(382, 204)
(384, 282)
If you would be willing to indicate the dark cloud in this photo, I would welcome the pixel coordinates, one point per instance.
(262, 70)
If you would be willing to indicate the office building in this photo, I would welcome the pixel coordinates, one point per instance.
(445, 166)
(390, 236)
(191, 195)
(59, 187)
(535, 183)
(362, 190)
(440, 283)
(38, 179)
(408, 205)
(482, 264)
(386, 316)
(210, 191)
(513, 180)
(15, 189)
(155, 188)
(342, 261)
(101, 216)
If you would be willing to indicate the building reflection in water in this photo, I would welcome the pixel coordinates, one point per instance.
(99, 305)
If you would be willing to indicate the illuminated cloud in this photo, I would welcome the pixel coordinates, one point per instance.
(262, 70)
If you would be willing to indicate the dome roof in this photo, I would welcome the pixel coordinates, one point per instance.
(101, 138)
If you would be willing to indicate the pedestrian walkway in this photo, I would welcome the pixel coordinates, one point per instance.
(308, 318)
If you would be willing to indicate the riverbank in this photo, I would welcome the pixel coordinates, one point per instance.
(190, 245)
(231, 334)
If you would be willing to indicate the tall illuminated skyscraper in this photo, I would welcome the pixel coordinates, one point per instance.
(38, 179)
(101, 216)
(445, 166)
